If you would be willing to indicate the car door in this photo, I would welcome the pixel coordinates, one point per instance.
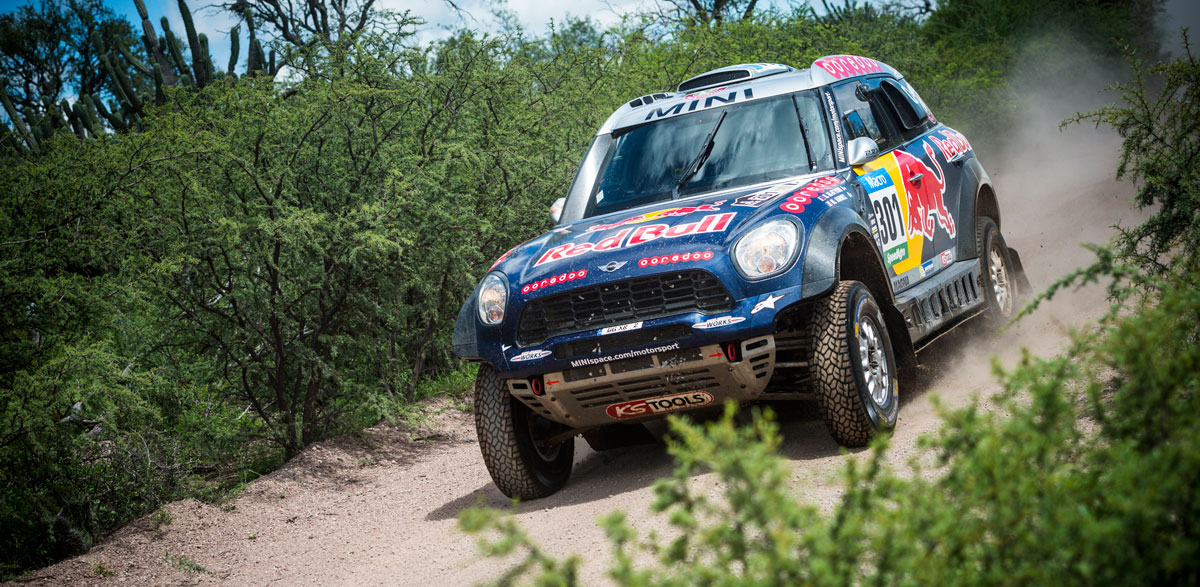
(911, 188)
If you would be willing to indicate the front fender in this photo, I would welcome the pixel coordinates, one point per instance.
(824, 244)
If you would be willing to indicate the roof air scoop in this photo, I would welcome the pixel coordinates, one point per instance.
(733, 74)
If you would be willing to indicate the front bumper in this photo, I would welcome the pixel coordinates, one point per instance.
(643, 387)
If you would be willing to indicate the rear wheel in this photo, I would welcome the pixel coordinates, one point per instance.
(854, 367)
(999, 277)
(514, 444)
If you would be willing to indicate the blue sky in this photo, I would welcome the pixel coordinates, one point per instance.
(534, 16)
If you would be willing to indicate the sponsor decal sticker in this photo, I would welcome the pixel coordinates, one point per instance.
(719, 322)
(630, 237)
(612, 266)
(621, 328)
(947, 257)
(927, 267)
(838, 144)
(659, 405)
(885, 204)
(926, 204)
(766, 304)
(675, 258)
(953, 145)
(843, 66)
(821, 189)
(531, 355)
(505, 347)
(900, 282)
(704, 94)
(762, 197)
(553, 280)
(625, 355)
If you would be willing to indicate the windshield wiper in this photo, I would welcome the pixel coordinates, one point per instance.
(694, 167)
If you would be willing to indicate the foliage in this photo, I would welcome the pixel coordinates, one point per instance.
(204, 270)
(1161, 131)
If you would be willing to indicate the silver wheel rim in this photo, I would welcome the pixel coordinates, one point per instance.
(1001, 287)
(874, 361)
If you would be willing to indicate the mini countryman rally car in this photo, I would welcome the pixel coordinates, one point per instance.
(762, 233)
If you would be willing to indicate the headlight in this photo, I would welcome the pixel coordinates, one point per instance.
(493, 295)
(767, 250)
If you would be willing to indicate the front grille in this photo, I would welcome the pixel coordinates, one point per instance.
(618, 302)
(611, 342)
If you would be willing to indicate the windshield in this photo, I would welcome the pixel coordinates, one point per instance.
(755, 142)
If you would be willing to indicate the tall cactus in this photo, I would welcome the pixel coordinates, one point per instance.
(152, 46)
(199, 56)
(173, 46)
(206, 63)
(18, 121)
(234, 35)
(134, 61)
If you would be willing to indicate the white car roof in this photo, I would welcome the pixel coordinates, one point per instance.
(765, 80)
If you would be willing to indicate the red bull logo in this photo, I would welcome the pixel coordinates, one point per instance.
(925, 190)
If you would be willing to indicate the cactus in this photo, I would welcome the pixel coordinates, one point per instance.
(234, 35)
(18, 121)
(88, 113)
(206, 60)
(173, 46)
(152, 46)
(134, 61)
(200, 72)
(160, 92)
(124, 87)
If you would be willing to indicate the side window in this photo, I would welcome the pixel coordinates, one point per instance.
(910, 111)
(863, 113)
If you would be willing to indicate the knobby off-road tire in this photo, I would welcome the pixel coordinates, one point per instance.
(854, 369)
(998, 275)
(507, 429)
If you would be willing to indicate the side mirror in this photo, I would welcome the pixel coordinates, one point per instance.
(556, 209)
(862, 150)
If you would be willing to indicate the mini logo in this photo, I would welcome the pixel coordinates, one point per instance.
(531, 355)
(718, 322)
(659, 405)
(612, 266)
(621, 328)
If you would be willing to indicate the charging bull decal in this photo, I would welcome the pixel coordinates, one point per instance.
(925, 192)
(907, 198)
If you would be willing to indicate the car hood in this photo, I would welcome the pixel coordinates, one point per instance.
(630, 242)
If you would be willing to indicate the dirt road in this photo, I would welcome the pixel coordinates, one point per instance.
(379, 509)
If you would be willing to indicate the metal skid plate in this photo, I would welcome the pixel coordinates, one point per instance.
(582, 397)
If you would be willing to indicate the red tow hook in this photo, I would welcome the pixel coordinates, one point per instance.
(733, 351)
(535, 383)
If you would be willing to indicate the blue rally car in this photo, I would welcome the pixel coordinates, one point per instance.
(762, 233)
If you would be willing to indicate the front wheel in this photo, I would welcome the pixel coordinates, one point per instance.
(513, 441)
(854, 368)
